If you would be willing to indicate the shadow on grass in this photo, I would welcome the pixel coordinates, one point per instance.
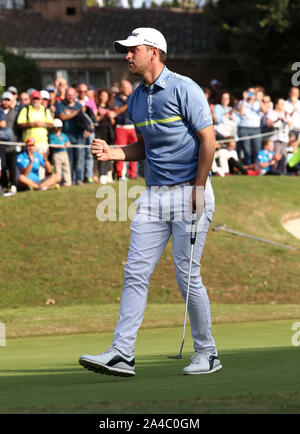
(158, 384)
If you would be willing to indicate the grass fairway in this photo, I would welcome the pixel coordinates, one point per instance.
(55, 248)
(260, 374)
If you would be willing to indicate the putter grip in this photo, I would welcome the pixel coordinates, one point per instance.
(194, 226)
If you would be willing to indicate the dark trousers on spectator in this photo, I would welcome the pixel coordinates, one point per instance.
(3, 166)
(273, 171)
(249, 147)
(76, 158)
(236, 167)
(10, 157)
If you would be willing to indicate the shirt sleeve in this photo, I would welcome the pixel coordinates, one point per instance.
(2, 115)
(49, 118)
(194, 106)
(218, 114)
(59, 108)
(22, 116)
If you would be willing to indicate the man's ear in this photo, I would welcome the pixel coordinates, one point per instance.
(155, 53)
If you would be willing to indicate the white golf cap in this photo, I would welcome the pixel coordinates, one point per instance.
(57, 123)
(142, 36)
(7, 95)
(45, 94)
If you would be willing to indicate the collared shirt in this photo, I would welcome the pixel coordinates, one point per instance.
(252, 114)
(295, 109)
(62, 139)
(280, 121)
(168, 114)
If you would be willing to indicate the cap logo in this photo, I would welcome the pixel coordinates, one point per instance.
(150, 42)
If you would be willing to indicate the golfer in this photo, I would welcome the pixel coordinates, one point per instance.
(175, 135)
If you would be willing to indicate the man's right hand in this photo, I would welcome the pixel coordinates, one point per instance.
(31, 156)
(100, 150)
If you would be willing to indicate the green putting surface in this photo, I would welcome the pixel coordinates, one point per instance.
(260, 374)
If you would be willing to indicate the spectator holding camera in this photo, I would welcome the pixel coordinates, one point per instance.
(279, 120)
(251, 109)
(292, 107)
(225, 117)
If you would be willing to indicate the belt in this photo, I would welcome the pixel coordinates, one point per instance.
(191, 181)
(126, 127)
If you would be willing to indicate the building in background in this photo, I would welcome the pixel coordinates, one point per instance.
(68, 39)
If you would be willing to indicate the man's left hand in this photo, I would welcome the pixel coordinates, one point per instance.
(198, 200)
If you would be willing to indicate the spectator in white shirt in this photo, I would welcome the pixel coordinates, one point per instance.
(292, 107)
(280, 120)
(251, 110)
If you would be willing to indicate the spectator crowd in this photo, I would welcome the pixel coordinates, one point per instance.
(46, 135)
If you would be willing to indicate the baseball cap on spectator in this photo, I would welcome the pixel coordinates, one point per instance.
(30, 141)
(30, 90)
(142, 36)
(36, 95)
(12, 89)
(115, 89)
(7, 95)
(90, 87)
(45, 94)
(215, 82)
(57, 123)
(50, 88)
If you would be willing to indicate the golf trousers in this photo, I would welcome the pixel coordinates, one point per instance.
(164, 212)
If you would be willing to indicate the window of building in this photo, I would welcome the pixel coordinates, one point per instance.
(96, 78)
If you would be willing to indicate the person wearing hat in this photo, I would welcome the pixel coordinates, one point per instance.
(28, 165)
(175, 135)
(35, 121)
(14, 91)
(124, 129)
(50, 88)
(59, 144)
(11, 112)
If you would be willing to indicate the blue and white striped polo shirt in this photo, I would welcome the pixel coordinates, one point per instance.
(168, 114)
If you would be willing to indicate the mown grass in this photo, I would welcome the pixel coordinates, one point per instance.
(66, 320)
(53, 247)
(260, 374)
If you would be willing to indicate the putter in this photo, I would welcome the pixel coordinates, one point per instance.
(193, 239)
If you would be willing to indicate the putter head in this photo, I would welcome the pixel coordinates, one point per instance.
(179, 356)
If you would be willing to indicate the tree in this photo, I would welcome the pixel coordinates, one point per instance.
(262, 35)
(21, 72)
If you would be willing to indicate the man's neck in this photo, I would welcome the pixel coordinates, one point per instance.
(152, 75)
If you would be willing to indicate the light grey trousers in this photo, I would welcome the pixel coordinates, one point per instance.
(164, 212)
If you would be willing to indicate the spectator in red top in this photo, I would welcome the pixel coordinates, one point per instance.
(125, 131)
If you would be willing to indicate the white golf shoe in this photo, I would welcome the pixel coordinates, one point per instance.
(111, 362)
(203, 363)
